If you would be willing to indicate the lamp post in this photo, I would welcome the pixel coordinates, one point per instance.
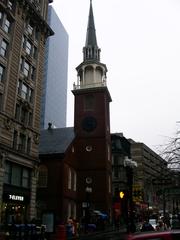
(88, 191)
(129, 164)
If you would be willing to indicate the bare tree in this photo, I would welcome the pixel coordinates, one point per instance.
(171, 151)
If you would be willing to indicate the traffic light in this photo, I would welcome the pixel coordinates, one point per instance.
(121, 194)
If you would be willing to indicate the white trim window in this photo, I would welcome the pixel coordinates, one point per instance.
(109, 152)
(69, 210)
(109, 183)
(43, 177)
(2, 70)
(25, 91)
(7, 25)
(75, 182)
(3, 49)
(74, 211)
(69, 178)
(10, 5)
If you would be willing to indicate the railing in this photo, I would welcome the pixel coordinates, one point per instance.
(23, 232)
(91, 85)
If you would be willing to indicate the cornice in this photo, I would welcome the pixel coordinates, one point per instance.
(30, 10)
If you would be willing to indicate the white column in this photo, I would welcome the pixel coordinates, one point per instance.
(94, 74)
(83, 80)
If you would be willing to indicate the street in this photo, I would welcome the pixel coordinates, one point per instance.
(105, 236)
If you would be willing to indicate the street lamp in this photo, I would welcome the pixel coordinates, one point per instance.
(129, 164)
(88, 190)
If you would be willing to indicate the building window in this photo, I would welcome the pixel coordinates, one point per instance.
(7, 173)
(2, 70)
(15, 137)
(1, 101)
(32, 75)
(4, 22)
(109, 183)
(30, 118)
(75, 181)
(22, 142)
(43, 176)
(25, 178)
(108, 152)
(6, 26)
(74, 211)
(89, 103)
(32, 31)
(27, 69)
(69, 210)
(3, 49)
(16, 175)
(34, 52)
(36, 34)
(24, 115)
(25, 91)
(69, 178)
(10, 5)
(17, 113)
(29, 28)
(29, 145)
(28, 47)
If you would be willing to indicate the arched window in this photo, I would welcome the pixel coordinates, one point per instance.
(43, 176)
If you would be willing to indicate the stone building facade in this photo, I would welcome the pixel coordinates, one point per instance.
(151, 177)
(23, 31)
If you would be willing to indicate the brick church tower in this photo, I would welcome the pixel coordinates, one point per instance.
(92, 128)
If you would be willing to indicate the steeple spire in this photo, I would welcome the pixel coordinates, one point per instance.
(91, 31)
(91, 50)
(91, 73)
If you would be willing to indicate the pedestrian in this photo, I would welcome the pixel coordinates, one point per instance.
(147, 227)
(69, 228)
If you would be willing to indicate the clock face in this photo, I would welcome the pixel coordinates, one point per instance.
(89, 123)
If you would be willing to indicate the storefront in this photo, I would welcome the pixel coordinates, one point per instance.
(15, 206)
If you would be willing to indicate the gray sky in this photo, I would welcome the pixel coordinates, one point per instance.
(140, 44)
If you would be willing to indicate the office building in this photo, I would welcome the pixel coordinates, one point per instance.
(23, 32)
(54, 98)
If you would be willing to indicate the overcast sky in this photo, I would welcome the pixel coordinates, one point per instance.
(140, 44)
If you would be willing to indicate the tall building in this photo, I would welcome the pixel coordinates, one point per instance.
(54, 98)
(151, 176)
(23, 32)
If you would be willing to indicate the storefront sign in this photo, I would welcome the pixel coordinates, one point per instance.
(16, 197)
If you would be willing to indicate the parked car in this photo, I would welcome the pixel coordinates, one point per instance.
(164, 235)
